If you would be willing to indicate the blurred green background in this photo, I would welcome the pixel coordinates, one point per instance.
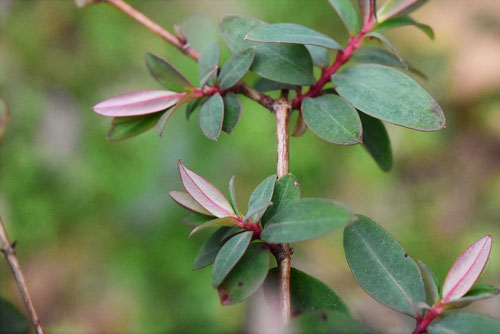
(101, 242)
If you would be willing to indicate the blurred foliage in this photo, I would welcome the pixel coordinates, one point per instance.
(100, 240)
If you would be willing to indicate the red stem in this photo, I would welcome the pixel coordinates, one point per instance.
(424, 322)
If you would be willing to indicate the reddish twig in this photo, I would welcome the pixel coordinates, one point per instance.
(10, 256)
(424, 322)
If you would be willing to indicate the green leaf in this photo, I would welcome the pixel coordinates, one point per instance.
(261, 197)
(383, 57)
(208, 251)
(319, 55)
(325, 322)
(232, 197)
(382, 267)
(226, 221)
(162, 122)
(131, 126)
(431, 283)
(235, 68)
(478, 292)
(265, 85)
(389, 95)
(286, 190)
(232, 112)
(12, 321)
(463, 323)
(382, 39)
(394, 7)
(166, 74)
(305, 219)
(401, 21)
(349, 13)
(306, 292)
(289, 33)
(287, 63)
(246, 277)
(4, 118)
(332, 119)
(231, 233)
(229, 255)
(192, 106)
(211, 116)
(256, 209)
(208, 64)
(376, 141)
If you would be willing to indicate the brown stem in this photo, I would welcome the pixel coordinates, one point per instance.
(10, 255)
(283, 256)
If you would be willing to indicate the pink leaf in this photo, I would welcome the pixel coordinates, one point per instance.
(205, 193)
(184, 199)
(466, 269)
(138, 103)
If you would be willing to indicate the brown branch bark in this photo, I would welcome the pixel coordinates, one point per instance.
(10, 255)
(282, 109)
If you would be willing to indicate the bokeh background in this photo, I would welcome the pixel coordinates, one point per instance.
(100, 240)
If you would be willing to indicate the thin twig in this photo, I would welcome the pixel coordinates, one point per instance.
(10, 255)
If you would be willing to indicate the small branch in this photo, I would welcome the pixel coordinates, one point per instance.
(284, 253)
(10, 255)
(424, 322)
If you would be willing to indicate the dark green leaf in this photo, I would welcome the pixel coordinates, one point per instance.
(192, 106)
(401, 21)
(389, 95)
(208, 251)
(131, 126)
(326, 322)
(383, 57)
(256, 209)
(376, 141)
(286, 190)
(232, 112)
(349, 13)
(246, 277)
(208, 64)
(4, 118)
(319, 55)
(261, 198)
(229, 255)
(287, 63)
(211, 116)
(431, 283)
(394, 7)
(232, 197)
(265, 85)
(332, 119)
(235, 68)
(231, 233)
(382, 267)
(465, 323)
(226, 221)
(11, 320)
(306, 292)
(289, 33)
(166, 74)
(305, 219)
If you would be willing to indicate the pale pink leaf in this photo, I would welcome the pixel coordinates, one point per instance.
(138, 103)
(184, 199)
(466, 269)
(205, 193)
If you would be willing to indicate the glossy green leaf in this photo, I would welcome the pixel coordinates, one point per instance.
(265, 85)
(208, 251)
(306, 292)
(229, 255)
(218, 222)
(235, 68)
(12, 321)
(211, 116)
(401, 21)
(376, 141)
(232, 112)
(305, 219)
(290, 33)
(128, 127)
(332, 119)
(465, 323)
(389, 95)
(431, 283)
(287, 63)
(319, 55)
(192, 106)
(208, 64)
(348, 12)
(166, 74)
(246, 277)
(286, 190)
(382, 267)
(4, 118)
(394, 7)
(325, 322)
(261, 198)
(232, 197)
(383, 57)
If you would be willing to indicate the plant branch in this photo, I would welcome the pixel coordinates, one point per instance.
(284, 253)
(424, 322)
(10, 255)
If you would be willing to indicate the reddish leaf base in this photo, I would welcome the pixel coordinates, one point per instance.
(423, 322)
